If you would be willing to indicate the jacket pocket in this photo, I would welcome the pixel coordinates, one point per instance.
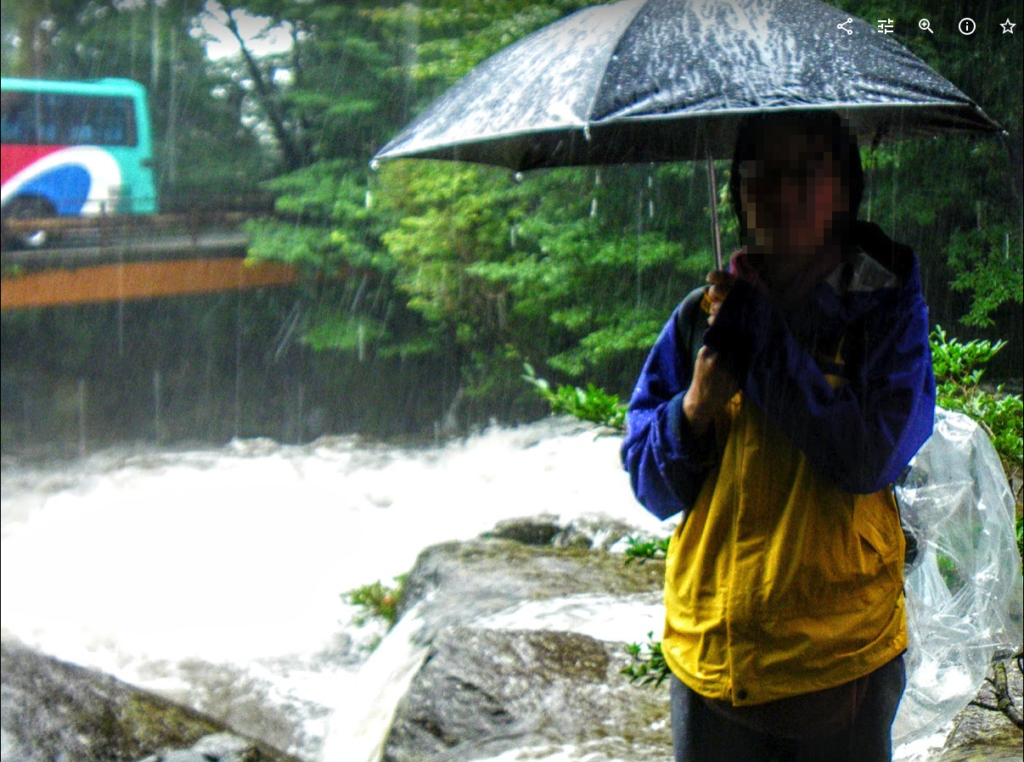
(877, 523)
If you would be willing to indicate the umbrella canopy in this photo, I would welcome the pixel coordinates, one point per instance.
(669, 80)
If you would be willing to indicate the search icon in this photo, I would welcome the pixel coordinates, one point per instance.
(925, 25)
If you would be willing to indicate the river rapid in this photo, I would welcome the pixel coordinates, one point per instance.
(215, 576)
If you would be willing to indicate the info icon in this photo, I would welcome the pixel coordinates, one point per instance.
(967, 26)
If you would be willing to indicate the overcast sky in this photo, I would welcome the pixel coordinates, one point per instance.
(257, 29)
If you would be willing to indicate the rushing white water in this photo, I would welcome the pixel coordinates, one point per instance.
(205, 574)
(215, 576)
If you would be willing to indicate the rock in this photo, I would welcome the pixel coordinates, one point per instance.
(598, 532)
(986, 734)
(518, 665)
(221, 747)
(487, 692)
(1006, 750)
(54, 710)
(459, 583)
(594, 531)
(539, 530)
(519, 656)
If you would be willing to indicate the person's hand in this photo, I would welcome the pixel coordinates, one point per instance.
(720, 284)
(712, 387)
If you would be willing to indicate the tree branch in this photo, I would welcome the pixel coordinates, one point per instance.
(267, 97)
(1004, 701)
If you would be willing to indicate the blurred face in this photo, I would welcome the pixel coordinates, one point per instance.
(791, 196)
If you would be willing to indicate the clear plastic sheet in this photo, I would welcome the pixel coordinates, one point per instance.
(963, 586)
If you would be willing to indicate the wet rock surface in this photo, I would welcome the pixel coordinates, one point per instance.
(980, 733)
(586, 532)
(460, 582)
(494, 681)
(52, 710)
(222, 747)
(488, 687)
(482, 693)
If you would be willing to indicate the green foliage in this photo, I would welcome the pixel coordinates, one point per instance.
(462, 261)
(647, 663)
(958, 372)
(579, 266)
(958, 366)
(464, 264)
(453, 36)
(377, 601)
(988, 265)
(448, 218)
(590, 404)
(950, 573)
(641, 550)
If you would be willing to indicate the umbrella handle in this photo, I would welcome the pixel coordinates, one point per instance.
(716, 226)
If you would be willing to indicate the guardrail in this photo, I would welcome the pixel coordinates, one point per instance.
(190, 222)
(133, 257)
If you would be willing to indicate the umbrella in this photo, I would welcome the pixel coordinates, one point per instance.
(669, 80)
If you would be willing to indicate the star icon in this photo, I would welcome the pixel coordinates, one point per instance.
(1007, 26)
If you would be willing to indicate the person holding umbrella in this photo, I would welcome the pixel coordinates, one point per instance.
(774, 413)
(783, 399)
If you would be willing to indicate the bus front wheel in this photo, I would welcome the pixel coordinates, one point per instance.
(28, 208)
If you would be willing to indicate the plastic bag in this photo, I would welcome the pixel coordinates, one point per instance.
(964, 588)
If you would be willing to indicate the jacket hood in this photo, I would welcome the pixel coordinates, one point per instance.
(897, 258)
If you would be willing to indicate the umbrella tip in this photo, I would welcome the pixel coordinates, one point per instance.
(375, 164)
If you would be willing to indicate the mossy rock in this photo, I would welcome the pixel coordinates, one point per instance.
(460, 582)
(56, 710)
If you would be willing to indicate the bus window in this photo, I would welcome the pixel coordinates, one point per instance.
(87, 120)
(72, 120)
(16, 119)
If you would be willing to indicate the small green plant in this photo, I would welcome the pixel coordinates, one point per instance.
(377, 601)
(647, 662)
(958, 366)
(590, 404)
(958, 372)
(641, 550)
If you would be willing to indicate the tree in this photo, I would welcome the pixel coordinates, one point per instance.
(573, 270)
(958, 201)
(577, 268)
(201, 141)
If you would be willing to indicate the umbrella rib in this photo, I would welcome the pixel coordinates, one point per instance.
(588, 114)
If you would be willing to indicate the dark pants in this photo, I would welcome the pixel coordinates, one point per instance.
(701, 734)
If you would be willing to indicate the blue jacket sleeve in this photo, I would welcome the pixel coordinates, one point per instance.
(862, 434)
(667, 463)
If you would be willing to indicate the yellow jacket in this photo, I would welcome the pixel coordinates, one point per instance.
(780, 583)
